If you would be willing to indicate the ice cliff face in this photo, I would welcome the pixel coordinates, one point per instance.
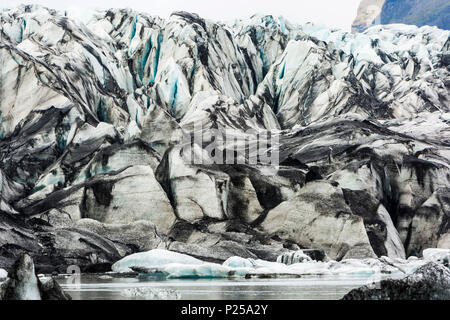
(92, 117)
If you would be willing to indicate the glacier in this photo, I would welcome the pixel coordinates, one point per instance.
(94, 110)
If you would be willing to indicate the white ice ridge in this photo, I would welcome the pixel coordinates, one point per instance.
(176, 265)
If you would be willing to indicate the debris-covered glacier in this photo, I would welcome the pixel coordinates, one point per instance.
(94, 110)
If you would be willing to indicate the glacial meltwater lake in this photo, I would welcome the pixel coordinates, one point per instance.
(305, 288)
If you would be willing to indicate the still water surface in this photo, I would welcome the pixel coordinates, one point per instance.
(305, 288)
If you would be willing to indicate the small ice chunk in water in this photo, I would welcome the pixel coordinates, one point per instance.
(176, 265)
(152, 294)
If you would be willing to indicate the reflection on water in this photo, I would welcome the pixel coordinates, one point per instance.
(306, 288)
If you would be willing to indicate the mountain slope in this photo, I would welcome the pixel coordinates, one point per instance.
(419, 13)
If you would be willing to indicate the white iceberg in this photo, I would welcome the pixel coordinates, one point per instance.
(156, 258)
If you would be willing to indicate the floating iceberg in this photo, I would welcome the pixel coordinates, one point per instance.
(152, 294)
(156, 258)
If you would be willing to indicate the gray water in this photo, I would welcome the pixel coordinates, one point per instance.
(305, 288)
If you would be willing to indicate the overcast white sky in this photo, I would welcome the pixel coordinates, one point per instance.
(334, 13)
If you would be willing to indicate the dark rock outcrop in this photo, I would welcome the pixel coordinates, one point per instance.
(51, 290)
(429, 282)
